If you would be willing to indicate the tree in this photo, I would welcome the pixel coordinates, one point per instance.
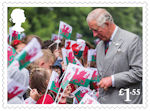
(43, 21)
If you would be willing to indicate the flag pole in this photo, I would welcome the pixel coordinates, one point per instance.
(46, 92)
(58, 37)
(57, 94)
(61, 95)
(45, 96)
(62, 76)
(10, 38)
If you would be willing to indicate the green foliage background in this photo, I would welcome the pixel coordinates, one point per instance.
(43, 21)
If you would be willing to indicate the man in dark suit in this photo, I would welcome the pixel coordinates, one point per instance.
(119, 60)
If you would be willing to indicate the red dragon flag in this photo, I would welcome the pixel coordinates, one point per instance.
(80, 92)
(69, 43)
(11, 53)
(14, 35)
(95, 78)
(82, 76)
(77, 47)
(65, 30)
(30, 53)
(68, 56)
(14, 88)
(68, 75)
(91, 55)
(53, 83)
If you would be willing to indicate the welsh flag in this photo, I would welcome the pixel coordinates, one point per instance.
(30, 53)
(68, 56)
(87, 99)
(95, 78)
(80, 92)
(69, 43)
(68, 75)
(65, 30)
(53, 83)
(14, 88)
(91, 55)
(13, 35)
(11, 53)
(55, 37)
(82, 76)
(77, 47)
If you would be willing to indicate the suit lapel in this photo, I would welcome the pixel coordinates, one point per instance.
(112, 51)
(101, 54)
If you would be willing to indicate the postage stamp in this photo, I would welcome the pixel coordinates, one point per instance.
(74, 55)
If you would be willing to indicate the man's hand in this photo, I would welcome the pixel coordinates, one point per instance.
(105, 82)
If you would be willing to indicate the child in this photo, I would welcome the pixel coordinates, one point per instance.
(18, 45)
(39, 80)
(27, 39)
(46, 61)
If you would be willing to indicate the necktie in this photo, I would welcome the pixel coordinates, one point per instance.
(106, 46)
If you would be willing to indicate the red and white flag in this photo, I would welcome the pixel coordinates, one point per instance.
(65, 30)
(14, 88)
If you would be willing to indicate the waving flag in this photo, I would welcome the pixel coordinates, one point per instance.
(14, 35)
(87, 99)
(68, 75)
(68, 56)
(95, 79)
(14, 88)
(82, 76)
(55, 37)
(11, 53)
(30, 53)
(77, 47)
(80, 92)
(91, 55)
(53, 83)
(69, 43)
(65, 30)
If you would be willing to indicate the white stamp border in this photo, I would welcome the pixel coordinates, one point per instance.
(142, 4)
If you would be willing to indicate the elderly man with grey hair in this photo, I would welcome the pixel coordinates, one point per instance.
(119, 60)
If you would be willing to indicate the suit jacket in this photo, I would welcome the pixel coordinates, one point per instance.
(123, 60)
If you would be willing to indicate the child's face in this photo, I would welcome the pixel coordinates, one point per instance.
(68, 90)
(57, 70)
(47, 65)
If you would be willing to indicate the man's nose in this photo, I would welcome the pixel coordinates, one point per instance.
(94, 33)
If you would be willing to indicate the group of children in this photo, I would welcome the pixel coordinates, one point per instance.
(37, 74)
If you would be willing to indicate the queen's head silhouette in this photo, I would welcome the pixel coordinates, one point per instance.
(18, 17)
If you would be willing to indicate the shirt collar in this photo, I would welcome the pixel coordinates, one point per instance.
(112, 36)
